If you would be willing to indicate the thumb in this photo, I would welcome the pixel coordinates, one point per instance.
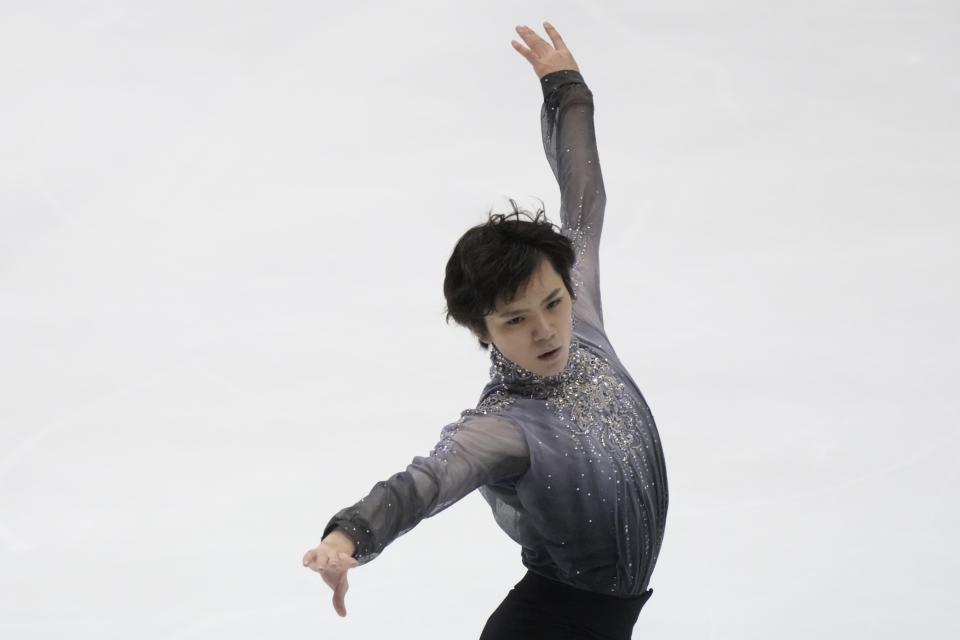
(308, 557)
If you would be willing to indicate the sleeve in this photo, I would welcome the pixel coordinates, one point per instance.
(570, 143)
(479, 448)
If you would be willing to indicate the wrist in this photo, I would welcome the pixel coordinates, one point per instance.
(553, 81)
(341, 542)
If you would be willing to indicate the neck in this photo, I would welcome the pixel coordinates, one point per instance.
(517, 378)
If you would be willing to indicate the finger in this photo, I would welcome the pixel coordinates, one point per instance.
(535, 42)
(308, 557)
(526, 53)
(319, 562)
(348, 561)
(339, 595)
(558, 42)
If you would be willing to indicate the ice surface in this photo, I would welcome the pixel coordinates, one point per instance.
(223, 226)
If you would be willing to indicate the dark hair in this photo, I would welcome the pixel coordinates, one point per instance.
(496, 259)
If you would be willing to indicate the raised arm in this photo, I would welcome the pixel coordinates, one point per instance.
(476, 450)
(570, 144)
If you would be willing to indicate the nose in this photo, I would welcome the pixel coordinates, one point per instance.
(543, 331)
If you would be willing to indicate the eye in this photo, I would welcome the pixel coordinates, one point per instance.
(553, 304)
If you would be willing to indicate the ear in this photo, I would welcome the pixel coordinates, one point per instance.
(483, 337)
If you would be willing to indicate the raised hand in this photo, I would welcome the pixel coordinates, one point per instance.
(542, 56)
(332, 564)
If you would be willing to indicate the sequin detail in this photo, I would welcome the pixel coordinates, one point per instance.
(587, 396)
(606, 423)
(495, 402)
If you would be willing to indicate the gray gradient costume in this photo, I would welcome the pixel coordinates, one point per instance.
(570, 464)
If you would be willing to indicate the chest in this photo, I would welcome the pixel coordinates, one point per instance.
(597, 410)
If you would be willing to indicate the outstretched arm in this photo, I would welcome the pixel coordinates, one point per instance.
(570, 144)
(477, 449)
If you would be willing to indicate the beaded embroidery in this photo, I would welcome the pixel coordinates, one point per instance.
(592, 402)
(496, 402)
(587, 396)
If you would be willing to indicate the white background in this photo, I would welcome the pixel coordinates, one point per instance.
(223, 229)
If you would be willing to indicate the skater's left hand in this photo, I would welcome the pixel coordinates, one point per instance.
(544, 57)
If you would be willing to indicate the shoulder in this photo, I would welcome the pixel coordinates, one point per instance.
(592, 338)
(492, 415)
(492, 431)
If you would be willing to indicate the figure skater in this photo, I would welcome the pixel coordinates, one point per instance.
(561, 444)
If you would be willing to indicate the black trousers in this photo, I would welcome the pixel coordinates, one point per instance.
(538, 608)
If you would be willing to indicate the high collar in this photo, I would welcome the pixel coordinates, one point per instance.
(518, 379)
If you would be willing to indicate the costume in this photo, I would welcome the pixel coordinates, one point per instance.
(539, 608)
(570, 464)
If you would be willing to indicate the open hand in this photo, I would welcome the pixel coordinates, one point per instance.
(544, 57)
(333, 565)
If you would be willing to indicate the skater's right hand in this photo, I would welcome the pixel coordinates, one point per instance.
(332, 563)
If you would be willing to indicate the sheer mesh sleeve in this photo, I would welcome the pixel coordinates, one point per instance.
(570, 143)
(477, 449)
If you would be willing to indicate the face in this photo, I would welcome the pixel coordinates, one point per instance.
(539, 319)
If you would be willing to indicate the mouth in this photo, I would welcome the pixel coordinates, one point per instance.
(549, 355)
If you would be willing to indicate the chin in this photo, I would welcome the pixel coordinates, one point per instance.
(552, 368)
